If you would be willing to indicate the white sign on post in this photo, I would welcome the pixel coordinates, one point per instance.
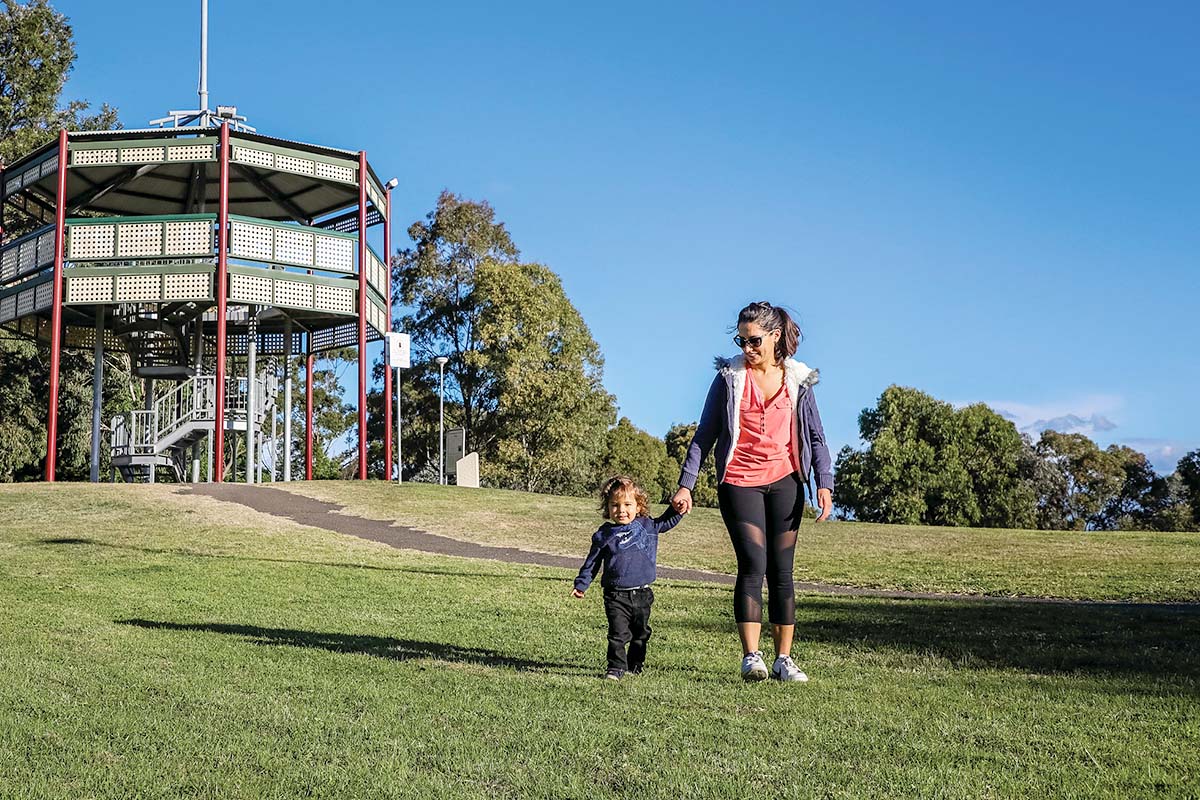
(396, 352)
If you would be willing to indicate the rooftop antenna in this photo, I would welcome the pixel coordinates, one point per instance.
(203, 117)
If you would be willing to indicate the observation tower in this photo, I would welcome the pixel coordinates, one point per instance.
(207, 251)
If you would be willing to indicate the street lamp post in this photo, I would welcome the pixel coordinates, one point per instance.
(441, 362)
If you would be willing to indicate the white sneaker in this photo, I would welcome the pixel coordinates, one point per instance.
(784, 669)
(753, 667)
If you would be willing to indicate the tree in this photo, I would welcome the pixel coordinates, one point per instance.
(537, 354)
(704, 493)
(1077, 481)
(927, 463)
(37, 51)
(333, 417)
(437, 279)
(633, 452)
(1139, 497)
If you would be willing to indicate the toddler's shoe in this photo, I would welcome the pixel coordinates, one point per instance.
(753, 667)
(614, 675)
(784, 669)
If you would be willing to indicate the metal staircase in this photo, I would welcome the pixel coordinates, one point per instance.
(180, 419)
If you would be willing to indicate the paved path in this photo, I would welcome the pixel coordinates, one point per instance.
(319, 514)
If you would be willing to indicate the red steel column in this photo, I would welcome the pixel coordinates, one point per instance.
(387, 372)
(222, 284)
(308, 416)
(60, 223)
(362, 315)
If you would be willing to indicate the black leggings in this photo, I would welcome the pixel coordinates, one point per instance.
(762, 523)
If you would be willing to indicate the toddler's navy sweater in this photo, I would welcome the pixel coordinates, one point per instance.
(628, 553)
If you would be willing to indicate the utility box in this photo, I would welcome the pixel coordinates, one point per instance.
(456, 448)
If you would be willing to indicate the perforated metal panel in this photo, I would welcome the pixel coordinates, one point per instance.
(190, 238)
(293, 164)
(25, 303)
(12, 185)
(28, 255)
(8, 308)
(250, 241)
(341, 336)
(91, 241)
(138, 287)
(145, 239)
(259, 158)
(90, 289)
(294, 293)
(45, 248)
(43, 296)
(335, 253)
(250, 289)
(92, 157)
(293, 247)
(193, 286)
(31, 175)
(333, 298)
(192, 152)
(50, 165)
(334, 172)
(143, 155)
(8, 264)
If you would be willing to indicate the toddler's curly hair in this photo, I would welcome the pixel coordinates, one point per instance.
(619, 485)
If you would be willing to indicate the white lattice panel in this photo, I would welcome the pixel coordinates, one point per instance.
(374, 197)
(293, 164)
(250, 289)
(43, 296)
(191, 152)
(92, 157)
(45, 248)
(90, 289)
(12, 185)
(186, 287)
(334, 172)
(138, 287)
(8, 264)
(91, 241)
(334, 298)
(250, 241)
(189, 237)
(145, 239)
(335, 253)
(293, 247)
(28, 258)
(8, 308)
(143, 155)
(25, 303)
(294, 293)
(49, 165)
(259, 158)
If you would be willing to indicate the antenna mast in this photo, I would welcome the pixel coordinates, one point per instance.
(203, 117)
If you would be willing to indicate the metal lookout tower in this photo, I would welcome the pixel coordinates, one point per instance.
(207, 252)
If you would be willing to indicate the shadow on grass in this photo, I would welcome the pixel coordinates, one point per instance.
(378, 646)
(181, 551)
(1040, 638)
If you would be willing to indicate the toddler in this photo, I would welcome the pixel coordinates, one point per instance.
(627, 547)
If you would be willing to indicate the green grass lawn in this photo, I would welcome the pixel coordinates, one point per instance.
(161, 645)
(1104, 566)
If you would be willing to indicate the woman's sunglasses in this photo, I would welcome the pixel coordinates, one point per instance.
(742, 341)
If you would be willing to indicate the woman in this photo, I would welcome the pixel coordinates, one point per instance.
(761, 414)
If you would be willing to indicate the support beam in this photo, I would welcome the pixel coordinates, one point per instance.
(222, 279)
(362, 315)
(287, 401)
(56, 309)
(97, 394)
(96, 191)
(308, 417)
(387, 373)
(294, 211)
(251, 405)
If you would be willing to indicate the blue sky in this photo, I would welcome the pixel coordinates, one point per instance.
(989, 202)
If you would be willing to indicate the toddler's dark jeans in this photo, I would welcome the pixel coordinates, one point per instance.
(628, 612)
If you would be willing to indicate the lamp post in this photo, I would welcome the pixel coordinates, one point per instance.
(441, 362)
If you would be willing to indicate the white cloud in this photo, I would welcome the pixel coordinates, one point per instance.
(1089, 415)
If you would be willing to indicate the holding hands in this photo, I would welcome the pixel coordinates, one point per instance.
(681, 501)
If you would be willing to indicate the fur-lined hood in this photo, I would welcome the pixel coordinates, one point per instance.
(799, 374)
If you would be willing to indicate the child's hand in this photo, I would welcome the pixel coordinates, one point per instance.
(578, 595)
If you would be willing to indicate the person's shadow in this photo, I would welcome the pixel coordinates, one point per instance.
(359, 644)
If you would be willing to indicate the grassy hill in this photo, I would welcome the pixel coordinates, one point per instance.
(154, 644)
(1080, 565)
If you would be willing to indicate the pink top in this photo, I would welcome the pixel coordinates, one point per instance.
(762, 454)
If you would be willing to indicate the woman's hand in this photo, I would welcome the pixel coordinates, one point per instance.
(825, 501)
(681, 501)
